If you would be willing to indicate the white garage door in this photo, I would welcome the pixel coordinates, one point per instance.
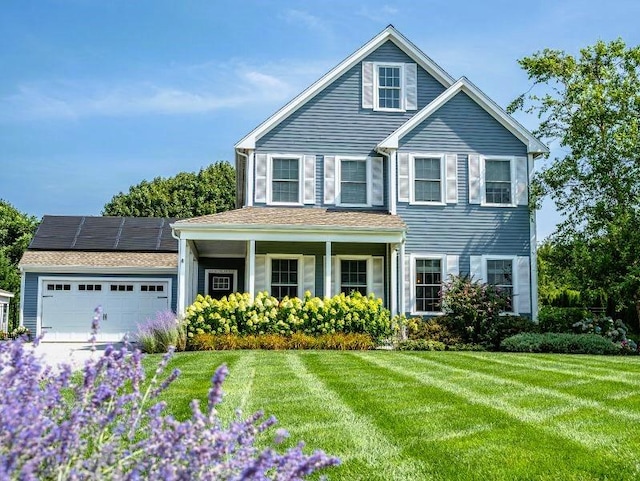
(68, 305)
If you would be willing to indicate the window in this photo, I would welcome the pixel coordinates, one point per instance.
(353, 276)
(284, 278)
(428, 285)
(151, 288)
(121, 288)
(220, 283)
(500, 274)
(285, 180)
(353, 182)
(498, 181)
(389, 87)
(427, 178)
(89, 287)
(58, 287)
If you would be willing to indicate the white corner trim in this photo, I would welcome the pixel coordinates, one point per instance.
(389, 33)
(533, 245)
(464, 85)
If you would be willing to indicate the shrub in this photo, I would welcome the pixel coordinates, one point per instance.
(106, 423)
(561, 319)
(560, 343)
(337, 341)
(157, 334)
(471, 309)
(420, 345)
(20, 332)
(430, 330)
(239, 315)
(604, 326)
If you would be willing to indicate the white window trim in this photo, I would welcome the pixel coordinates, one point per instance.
(299, 258)
(412, 269)
(367, 258)
(514, 283)
(338, 175)
(234, 272)
(270, 159)
(376, 86)
(483, 172)
(412, 178)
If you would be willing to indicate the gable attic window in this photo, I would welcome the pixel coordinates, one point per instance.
(389, 86)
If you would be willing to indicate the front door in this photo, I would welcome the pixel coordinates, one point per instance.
(221, 282)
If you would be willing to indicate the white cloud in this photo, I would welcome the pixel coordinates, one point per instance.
(181, 90)
(381, 14)
(307, 20)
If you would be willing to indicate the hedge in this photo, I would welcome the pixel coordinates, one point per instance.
(560, 343)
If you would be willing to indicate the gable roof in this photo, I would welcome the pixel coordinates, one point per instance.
(389, 33)
(534, 145)
(104, 234)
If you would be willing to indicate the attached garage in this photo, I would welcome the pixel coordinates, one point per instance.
(127, 266)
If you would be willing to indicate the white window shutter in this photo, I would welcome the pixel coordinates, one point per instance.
(403, 177)
(411, 86)
(367, 85)
(523, 302)
(408, 285)
(475, 269)
(261, 177)
(335, 276)
(377, 276)
(260, 274)
(329, 179)
(451, 169)
(475, 195)
(452, 267)
(309, 274)
(377, 181)
(309, 179)
(521, 181)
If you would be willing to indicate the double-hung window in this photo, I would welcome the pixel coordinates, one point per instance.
(428, 284)
(353, 276)
(389, 85)
(354, 182)
(500, 274)
(284, 278)
(285, 180)
(427, 180)
(498, 182)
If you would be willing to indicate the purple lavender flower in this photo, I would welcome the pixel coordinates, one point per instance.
(104, 425)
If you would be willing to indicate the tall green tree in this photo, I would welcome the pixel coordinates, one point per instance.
(16, 231)
(589, 106)
(187, 194)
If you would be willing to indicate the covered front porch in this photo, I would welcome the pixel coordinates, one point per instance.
(288, 251)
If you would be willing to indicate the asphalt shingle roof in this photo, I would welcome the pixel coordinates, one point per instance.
(99, 259)
(311, 217)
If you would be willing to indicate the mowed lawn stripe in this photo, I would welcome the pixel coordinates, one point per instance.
(498, 378)
(372, 455)
(628, 364)
(600, 454)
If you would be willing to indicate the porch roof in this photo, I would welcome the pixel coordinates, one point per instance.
(292, 223)
(304, 217)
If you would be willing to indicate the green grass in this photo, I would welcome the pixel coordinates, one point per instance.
(438, 415)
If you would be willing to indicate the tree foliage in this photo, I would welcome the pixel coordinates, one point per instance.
(590, 105)
(188, 194)
(16, 231)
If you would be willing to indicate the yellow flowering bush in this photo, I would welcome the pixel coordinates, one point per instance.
(237, 314)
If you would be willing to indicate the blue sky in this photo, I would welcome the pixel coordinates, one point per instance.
(98, 95)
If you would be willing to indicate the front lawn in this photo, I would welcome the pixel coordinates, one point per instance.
(438, 415)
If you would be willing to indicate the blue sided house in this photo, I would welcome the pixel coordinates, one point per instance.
(385, 176)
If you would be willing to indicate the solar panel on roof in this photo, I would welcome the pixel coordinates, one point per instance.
(104, 234)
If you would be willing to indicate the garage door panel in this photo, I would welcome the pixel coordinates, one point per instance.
(68, 307)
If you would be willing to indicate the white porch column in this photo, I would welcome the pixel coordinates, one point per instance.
(182, 275)
(251, 268)
(403, 303)
(394, 280)
(327, 269)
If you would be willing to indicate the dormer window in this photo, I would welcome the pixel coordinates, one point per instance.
(389, 86)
